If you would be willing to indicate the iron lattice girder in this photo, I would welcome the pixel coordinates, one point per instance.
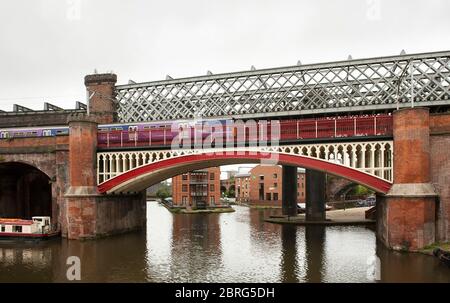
(343, 86)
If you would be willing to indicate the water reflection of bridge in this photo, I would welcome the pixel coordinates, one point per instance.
(237, 247)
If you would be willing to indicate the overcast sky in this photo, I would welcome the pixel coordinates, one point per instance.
(47, 46)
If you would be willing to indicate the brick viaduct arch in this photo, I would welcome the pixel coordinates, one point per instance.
(25, 190)
(42, 162)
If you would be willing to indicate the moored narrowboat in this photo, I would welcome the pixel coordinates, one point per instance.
(36, 228)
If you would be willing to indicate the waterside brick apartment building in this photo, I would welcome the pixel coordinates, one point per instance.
(197, 189)
(262, 185)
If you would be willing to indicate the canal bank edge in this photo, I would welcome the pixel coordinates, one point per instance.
(428, 250)
(216, 210)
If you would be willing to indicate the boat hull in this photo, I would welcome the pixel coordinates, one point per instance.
(25, 236)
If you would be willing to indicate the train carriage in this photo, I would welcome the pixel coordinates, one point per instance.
(215, 130)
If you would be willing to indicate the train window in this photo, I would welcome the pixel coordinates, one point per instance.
(46, 133)
(34, 133)
(103, 129)
(19, 134)
(116, 128)
(4, 135)
(132, 128)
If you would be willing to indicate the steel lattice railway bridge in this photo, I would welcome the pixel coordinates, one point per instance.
(376, 84)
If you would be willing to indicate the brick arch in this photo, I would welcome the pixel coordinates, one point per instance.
(344, 189)
(142, 177)
(42, 162)
(336, 186)
(27, 190)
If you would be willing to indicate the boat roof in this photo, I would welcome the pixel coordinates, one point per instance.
(15, 222)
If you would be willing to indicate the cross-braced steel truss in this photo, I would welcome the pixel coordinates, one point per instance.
(354, 85)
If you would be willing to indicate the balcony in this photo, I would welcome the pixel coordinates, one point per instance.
(198, 181)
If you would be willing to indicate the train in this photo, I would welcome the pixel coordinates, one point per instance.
(51, 131)
(163, 133)
(26, 132)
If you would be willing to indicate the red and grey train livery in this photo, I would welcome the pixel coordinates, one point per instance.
(162, 133)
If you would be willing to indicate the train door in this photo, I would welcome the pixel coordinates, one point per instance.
(184, 130)
(132, 132)
(4, 135)
(47, 133)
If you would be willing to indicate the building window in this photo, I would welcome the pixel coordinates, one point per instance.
(275, 196)
(211, 187)
(184, 177)
(261, 178)
(211, 176)
(275, 185)
(184, 200)
(17, 229)
(211, 200)
(275, 176)
(184, 188)
(268, 196)
(303, 194)
(3, 228)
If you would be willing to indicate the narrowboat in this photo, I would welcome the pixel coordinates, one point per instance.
(36, 228)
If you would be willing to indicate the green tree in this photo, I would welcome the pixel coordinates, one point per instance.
(163, 192)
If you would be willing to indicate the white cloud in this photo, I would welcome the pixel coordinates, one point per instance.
(44, 55)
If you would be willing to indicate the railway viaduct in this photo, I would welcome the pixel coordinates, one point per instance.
(81, 186)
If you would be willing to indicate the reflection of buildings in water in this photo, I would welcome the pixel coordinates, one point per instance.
(409, 267)
(38, 257)
(197, 245)
(119, 258)
(257, 217)
(289, 264)
(314, 247)
(203, 230)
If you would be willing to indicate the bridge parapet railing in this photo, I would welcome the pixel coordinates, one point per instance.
(372, 157)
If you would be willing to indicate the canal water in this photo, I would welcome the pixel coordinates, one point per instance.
(230, 247)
